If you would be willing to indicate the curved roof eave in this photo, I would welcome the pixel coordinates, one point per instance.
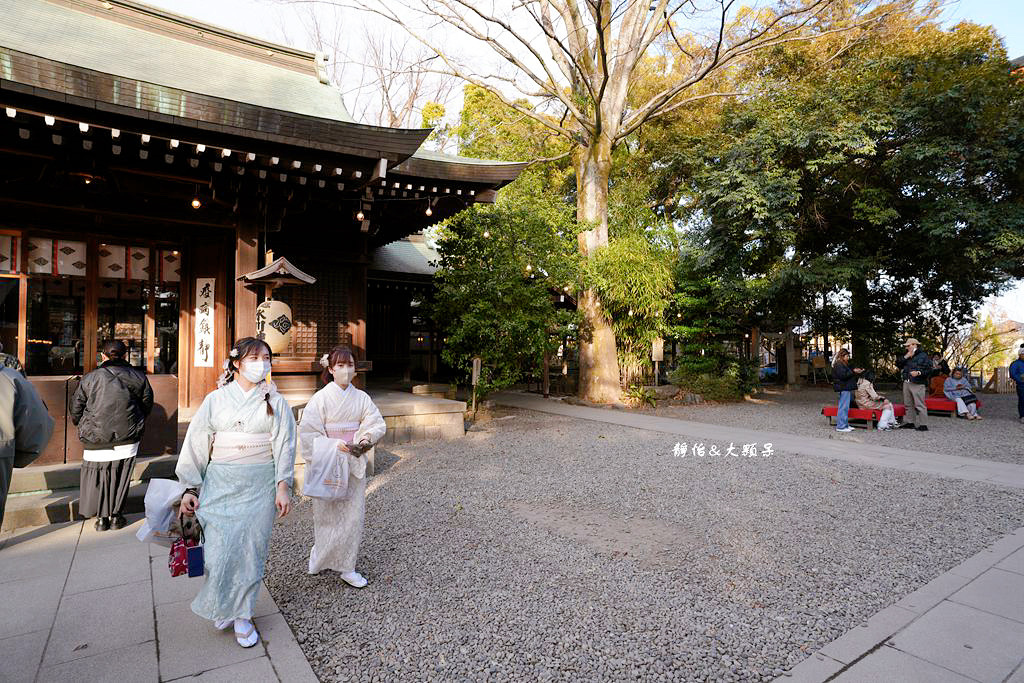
(429, 164)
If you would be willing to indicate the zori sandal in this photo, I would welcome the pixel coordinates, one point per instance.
(245, 633)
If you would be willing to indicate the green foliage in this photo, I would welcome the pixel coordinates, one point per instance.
(894, 172)
(640, 396)
(490, 129)
(496, 279)
(633, 279)
(718, 378)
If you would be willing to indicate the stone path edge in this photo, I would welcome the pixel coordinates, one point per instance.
(833, 660)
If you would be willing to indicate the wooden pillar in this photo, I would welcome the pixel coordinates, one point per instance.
(92, 304)
(357, 309)
(755, 344)
(247, 259)
(150, 340)
(23, 320)
(204, 259)
(790, 360)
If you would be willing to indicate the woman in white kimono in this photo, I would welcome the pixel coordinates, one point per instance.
(336, 416)
(239, 453)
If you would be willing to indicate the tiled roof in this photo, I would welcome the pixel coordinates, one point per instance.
(411, 256)
(136, 41)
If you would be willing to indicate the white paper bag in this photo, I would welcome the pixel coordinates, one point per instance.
(326, 471)
(161, 495)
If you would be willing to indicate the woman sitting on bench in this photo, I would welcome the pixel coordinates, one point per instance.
(870, 399)
(958, 389)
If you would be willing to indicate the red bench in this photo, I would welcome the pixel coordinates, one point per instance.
(942, 406)
(863, 414)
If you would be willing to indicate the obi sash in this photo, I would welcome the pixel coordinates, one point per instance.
(346, 431)
(240, 448)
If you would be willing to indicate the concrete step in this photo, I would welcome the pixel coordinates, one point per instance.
(36, 509)
(58, 477)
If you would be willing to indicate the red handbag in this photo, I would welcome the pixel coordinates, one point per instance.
(177, 561)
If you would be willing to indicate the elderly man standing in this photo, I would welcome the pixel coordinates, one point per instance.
(915, 367)
(1017, 374)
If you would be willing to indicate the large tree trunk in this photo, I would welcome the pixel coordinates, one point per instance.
(861, 323)
(599, 365)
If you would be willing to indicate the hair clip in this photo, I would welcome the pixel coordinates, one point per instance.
(325, 360)
(234, 353)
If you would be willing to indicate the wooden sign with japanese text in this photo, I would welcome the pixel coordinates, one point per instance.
(204, 349)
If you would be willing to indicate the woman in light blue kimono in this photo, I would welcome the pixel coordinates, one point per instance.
(239, 453)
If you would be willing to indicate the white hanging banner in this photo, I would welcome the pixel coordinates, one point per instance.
(204, 322)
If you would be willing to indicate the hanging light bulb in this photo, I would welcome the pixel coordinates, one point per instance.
(360, 215)
(487, 233)
(196, 203)
(429, 212)
(529, 267)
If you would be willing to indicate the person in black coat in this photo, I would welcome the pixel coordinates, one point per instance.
(844, 380)
(110, 408)
(916, 368)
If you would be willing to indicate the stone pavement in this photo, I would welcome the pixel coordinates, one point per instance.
(840, 448)
(965, 625)
(80, 605)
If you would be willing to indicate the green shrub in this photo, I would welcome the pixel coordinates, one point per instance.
(716, 379)
(639, 396)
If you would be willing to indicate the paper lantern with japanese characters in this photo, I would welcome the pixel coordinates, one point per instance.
(274, 324)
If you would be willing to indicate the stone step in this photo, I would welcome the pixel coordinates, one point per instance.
(37, 509)
(68, 476)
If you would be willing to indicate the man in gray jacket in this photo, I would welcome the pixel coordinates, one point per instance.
(25, 427)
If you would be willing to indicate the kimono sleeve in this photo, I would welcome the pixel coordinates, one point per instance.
(195, 451)
(371, 423)
(282, 441)
(311, 425)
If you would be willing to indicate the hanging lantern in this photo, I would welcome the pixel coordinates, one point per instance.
(274, 324)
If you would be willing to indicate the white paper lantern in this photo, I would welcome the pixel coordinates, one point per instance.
(274, 324)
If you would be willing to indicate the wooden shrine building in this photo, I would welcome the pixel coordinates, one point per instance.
(147, 161)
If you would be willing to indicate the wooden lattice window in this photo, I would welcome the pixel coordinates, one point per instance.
(319, 311)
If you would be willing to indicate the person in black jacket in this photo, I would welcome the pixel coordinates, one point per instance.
(915, 368)
(110, 408)
(844, 380)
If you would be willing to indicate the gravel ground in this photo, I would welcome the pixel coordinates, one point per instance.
(997, 437)
(544, 548)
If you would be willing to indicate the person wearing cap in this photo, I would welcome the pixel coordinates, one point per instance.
(1017, 375)
(915, 368)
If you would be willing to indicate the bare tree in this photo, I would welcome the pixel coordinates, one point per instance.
(402, 78)
(577, 62)
(386, 79)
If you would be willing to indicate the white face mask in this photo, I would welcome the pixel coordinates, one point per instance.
(344, 373)
(255, 370)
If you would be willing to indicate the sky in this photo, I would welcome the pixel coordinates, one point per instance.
(279, 21)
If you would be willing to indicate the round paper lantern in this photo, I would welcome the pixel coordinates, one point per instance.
(274, 324)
